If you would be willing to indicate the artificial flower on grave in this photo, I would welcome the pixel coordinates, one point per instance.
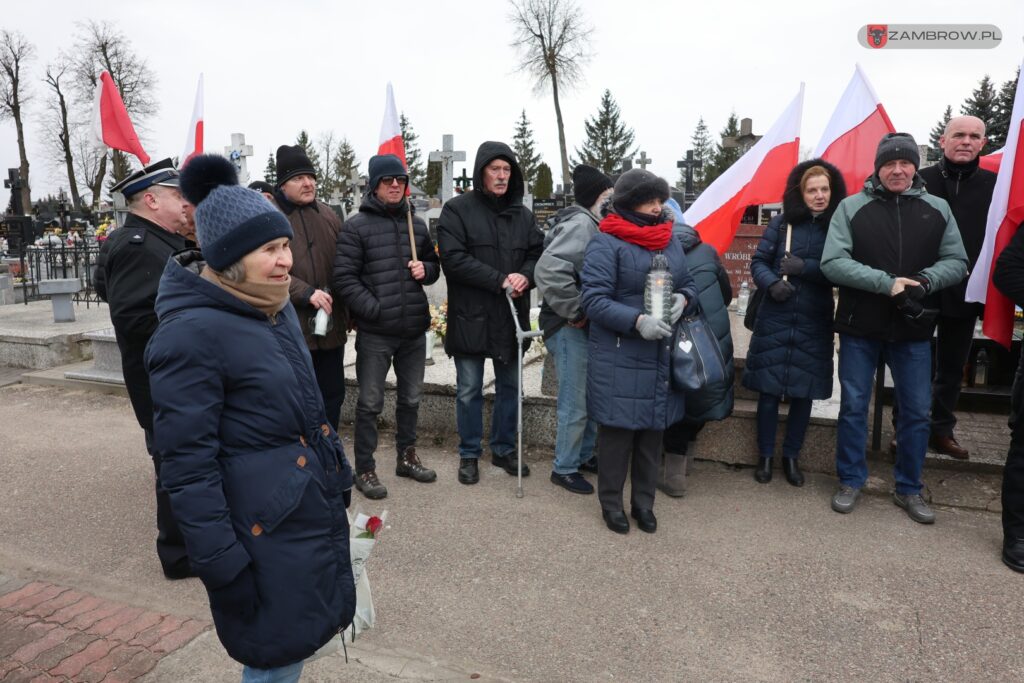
(439, 319)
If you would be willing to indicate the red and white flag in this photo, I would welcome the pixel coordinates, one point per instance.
(1005, 214)
(757, 177)
(110, 122)
(194, 138)
(851, 137)
(990, 162)
(391, 131)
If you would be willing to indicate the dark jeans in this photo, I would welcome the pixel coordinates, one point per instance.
(617, 449)
(375, 354)
(677, 437)
(170, 544)
(952, 349)
(768, 421)
(1013, 487)
(329, 367)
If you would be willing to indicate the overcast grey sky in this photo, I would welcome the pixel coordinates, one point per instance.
(273, 68)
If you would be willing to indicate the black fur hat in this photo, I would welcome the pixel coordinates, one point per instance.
(793, 207)
(637, 186)
(292, 161)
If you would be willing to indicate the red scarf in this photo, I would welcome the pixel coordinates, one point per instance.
(652, 238)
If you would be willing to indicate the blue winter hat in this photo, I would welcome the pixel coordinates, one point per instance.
(230, 220)
(384, 165)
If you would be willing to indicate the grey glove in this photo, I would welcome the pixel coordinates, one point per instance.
(678, 304)
(651, 328)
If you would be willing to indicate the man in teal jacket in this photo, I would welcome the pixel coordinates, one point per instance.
(890, 249)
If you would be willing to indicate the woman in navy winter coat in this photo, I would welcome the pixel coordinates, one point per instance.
(791, 349)
(628, 390)
(257, 477)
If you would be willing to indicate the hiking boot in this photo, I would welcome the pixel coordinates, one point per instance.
(409, 465)
(572, 482)
(369, 485)
(509, 463)
(845, 499)
(916, 508)
(469, 473)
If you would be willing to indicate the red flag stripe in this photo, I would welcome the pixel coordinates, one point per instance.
(853, 152)
(116, 129)
(998, 324)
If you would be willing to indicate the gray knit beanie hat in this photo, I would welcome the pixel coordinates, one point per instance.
(897, 146)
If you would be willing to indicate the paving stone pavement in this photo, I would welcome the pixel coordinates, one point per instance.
(50, 632)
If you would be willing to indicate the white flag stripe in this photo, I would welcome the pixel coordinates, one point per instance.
(389, 127)
(197, 116)
(858, 102)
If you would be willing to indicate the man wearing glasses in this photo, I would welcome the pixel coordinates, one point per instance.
(316, 228)
(381, 281)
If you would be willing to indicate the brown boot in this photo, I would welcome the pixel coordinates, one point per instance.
(409, 465)
(673, 478)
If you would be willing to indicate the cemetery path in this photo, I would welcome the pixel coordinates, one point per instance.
(741, 581)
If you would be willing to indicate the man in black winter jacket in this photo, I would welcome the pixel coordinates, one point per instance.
(381, 281)
(489, 243)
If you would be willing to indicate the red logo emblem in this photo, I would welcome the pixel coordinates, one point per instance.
(878, 35)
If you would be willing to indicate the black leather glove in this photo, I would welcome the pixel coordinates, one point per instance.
(918, 293)
(781, 290)
(909, 306)
(791, 265)
(239, 597)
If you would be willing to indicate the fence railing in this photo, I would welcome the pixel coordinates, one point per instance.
(57, 261)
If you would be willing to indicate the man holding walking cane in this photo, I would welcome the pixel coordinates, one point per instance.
(384, 258)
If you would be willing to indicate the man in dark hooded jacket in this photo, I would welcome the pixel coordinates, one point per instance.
(489, 243)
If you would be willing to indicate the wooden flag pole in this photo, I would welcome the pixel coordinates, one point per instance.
(789, 243)
(412, 238)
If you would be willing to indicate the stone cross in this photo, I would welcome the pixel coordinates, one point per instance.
(627, 164)
(447, 155)
(237, 153)
(355, 184)
(689, 163)
(464, 181)
(643, 161)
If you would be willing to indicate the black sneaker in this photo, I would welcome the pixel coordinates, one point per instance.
(509, 463)
(590, 466)
(369, 485)
(572, 482)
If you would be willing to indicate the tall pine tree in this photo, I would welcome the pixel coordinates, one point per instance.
(309, 148)
(523, 146)
(703, 148)
(1004, 108)
(934, 151)
(344, 162)
(982, 103)
(609, 140)
(723, 157)
(432, 184)
(270, 172)
(544, 186)
(413, 157)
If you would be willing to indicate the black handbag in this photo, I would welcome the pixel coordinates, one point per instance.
(754, 303)
(696, 359)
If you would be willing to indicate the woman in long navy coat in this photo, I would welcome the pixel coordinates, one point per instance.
(791, 349)
(628, 390)
(257, 477)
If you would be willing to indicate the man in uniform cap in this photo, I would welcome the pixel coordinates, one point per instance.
(128, 272)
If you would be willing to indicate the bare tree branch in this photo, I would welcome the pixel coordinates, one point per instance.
(15, 52)
(56, 121)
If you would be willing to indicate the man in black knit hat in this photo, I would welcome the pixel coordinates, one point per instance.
(316, 228)
(565, 325)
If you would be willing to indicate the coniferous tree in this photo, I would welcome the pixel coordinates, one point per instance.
(270, 172)
(934, 151)
(432, 183)
(702, 148)
(609, 140)
(982, 103)
(344, 162)
(544, 186)
(307, 145)
(413, 157)
(723, 157)
(120, 168)
(524, 147)
(1004, 108)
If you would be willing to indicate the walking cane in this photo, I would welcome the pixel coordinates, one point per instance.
(789, 243)
(521, 336)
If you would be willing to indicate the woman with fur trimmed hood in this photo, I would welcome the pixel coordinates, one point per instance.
(791, 349)
(628, 390)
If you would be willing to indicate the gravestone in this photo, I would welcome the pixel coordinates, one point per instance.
(237, 153)
(447, 155)
(6, 285)
(60, 293)
(106, 359)
(643, 161)
(690, 164)
(356, 185)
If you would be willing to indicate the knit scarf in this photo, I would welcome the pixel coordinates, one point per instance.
(269, 297)
(652, 238)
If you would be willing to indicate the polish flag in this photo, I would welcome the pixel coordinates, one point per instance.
(391, 131)
(851, 137)
(990, 162)
(194, 139)
(757, 177)
(1005, 214)
(110, 122)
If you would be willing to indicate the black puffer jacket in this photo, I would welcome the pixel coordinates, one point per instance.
(371, 275)
(482, 239)
(791, 349)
